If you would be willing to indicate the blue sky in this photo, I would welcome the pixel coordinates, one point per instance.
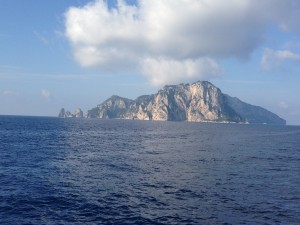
(73, 54)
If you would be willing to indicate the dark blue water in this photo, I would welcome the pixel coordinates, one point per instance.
(88, 171)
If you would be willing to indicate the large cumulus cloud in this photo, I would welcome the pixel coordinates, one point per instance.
(173, 40)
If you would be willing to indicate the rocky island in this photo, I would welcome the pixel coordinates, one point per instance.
(197, 102)
(67, 114)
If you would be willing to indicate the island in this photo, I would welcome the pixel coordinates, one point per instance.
(197, 102)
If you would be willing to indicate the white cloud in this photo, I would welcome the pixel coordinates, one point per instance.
(168, 32)
(286, 55)
(163, 71)
(45, 93)
(42, 38)
(10, 93)
(283, 105)
(292, 45)
(273, 58)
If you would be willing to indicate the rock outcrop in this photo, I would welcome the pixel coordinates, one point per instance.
(67, 114)
(78, 113)
(62, 113)
(197, 102)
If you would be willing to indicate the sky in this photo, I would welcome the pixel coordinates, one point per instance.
(77, 53)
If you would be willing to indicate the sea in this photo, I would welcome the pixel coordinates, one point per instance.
(91, 171)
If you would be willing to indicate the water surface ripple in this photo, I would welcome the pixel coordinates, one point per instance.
(88, 171)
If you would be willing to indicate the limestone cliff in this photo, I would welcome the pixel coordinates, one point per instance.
(200, 101)
(78, 113)
(197, 102)
(67, 114)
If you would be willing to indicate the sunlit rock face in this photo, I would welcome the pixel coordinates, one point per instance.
(67, 114)
(78, 113)
(197, 102)
(114, 107)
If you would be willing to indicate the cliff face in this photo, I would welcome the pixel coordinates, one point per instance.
(67, 114)
(197, 102)
(200, 101)
(114, 107)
